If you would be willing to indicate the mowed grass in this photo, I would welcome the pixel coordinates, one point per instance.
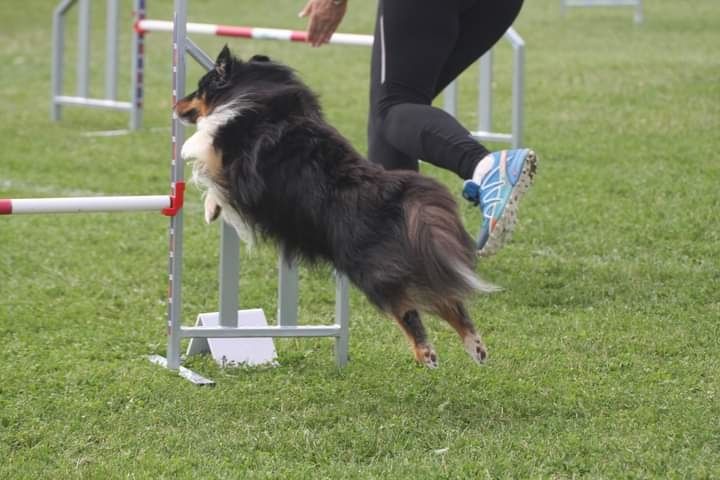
(604, 347)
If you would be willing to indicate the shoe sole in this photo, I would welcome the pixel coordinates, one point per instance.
(506, 224)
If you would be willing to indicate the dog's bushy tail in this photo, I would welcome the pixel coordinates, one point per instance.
(443, 249)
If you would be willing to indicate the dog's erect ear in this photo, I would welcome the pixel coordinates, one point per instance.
(260, 58)
(223, 64)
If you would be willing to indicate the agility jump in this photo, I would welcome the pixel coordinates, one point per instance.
(211, 329)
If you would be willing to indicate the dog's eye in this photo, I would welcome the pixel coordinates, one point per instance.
(206, 82)
(217, 83)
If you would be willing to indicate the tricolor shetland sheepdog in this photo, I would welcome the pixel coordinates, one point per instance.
(274, 168)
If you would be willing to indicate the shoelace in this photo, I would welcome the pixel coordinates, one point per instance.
(471, 192)
(487, 194)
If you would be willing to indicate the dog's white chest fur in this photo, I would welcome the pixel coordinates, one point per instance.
(199, 150)
(206, 164)
(199, 147)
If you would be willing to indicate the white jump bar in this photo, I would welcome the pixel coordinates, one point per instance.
(84, 204)
(251, 32)
(270, 331)
(600, 3)
(92, 102)
(491, 136)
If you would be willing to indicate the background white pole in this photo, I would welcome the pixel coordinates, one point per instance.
(111, 49)
(83, 58)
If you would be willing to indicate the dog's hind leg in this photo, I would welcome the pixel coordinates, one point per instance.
(413, 328)
(457, 316)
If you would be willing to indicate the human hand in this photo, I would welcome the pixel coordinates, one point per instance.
(325, 16)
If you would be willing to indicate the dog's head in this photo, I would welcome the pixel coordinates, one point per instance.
(228, 80)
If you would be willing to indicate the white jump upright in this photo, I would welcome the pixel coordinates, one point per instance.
(224, 333)
(484, 131)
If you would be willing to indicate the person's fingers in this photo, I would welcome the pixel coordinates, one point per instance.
(317, 38)
(323, 18)
(327, 35)
(306, 10)
(321, 34)
(326, 32)
(314, 31)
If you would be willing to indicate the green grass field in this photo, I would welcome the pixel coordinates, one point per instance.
(604, 348)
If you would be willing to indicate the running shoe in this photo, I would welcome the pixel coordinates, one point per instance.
(498, 195)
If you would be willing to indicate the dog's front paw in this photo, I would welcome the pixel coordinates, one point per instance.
(426, 355)
(212, 209)
(475, 347)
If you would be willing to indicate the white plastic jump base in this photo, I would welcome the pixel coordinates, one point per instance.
(230, 351)
(638, 4)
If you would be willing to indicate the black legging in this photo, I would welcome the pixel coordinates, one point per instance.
(420, 47)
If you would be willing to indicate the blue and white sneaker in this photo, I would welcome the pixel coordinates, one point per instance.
(499, 194)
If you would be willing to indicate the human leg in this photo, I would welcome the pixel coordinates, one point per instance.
(420, 46)
(419, 49)
(413, 42)
(481, 25)
(499, 180)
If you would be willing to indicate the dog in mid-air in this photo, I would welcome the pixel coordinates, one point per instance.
(273, 167)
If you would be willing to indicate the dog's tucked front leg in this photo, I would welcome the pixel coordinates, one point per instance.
(212, 208)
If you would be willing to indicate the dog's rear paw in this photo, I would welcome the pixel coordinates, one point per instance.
(475, 347)
(426, 355)
(212, 209)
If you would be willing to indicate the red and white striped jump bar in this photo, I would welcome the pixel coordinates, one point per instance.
(169, 205)
(143, 26)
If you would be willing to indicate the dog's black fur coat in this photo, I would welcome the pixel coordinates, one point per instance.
(293, 178)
